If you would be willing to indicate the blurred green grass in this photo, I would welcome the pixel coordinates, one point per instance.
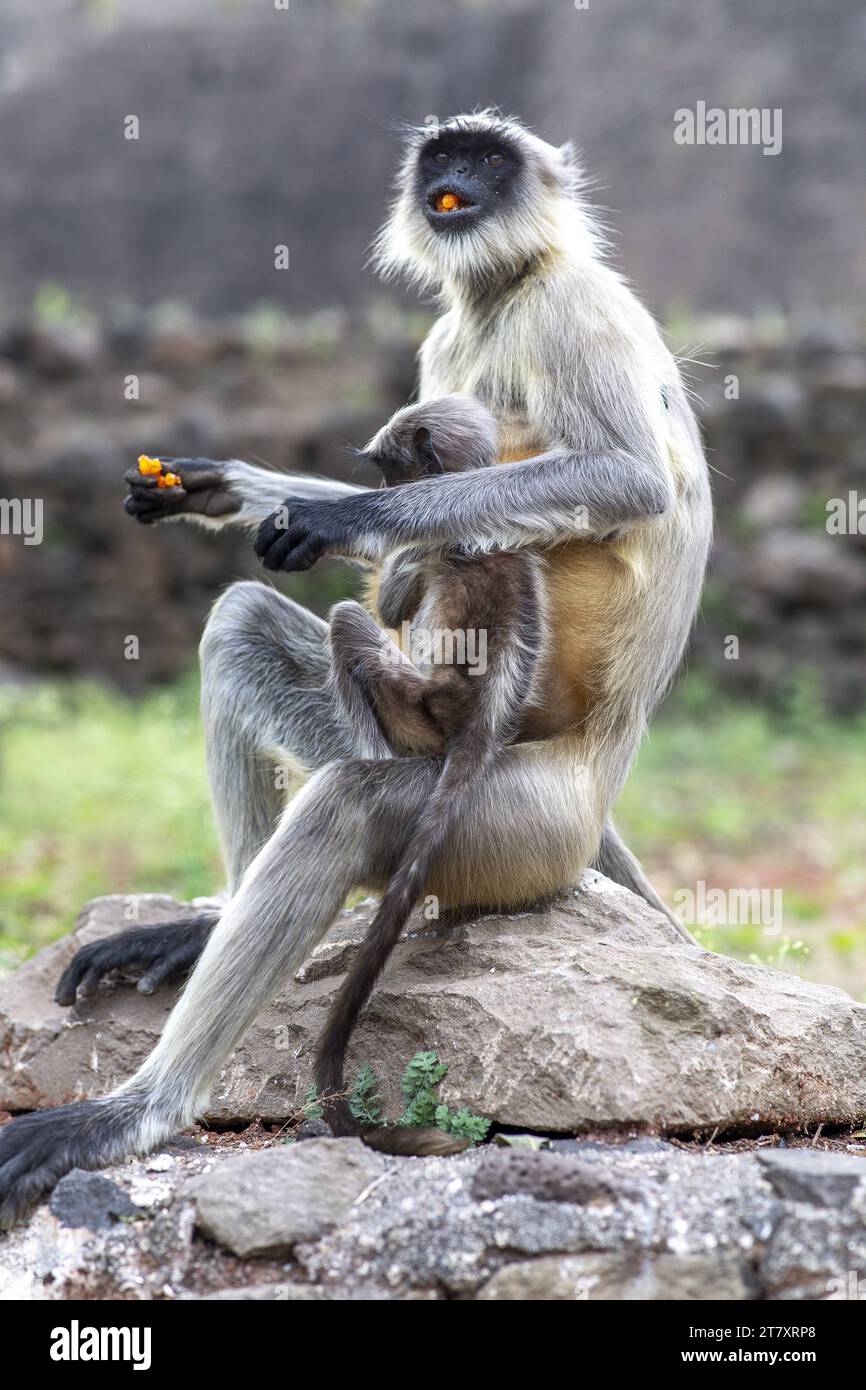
(98, 794)
(743, 796)
(101, 794)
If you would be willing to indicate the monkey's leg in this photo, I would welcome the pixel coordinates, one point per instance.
(268, 712)
(378, 690)
(526, 832)
(265, 703)
(355, 648)
(343, 830)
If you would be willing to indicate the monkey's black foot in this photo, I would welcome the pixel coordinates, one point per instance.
(161, 952)
(37, 1150)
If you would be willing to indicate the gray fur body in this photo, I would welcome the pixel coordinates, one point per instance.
(602, 480)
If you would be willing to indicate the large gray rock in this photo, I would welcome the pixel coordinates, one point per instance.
(672, 1221)
(310, 1293)
(50, 1055)
(822, 1180)
(816, 1252)
(264, 1203)
(89, 1200)
(619, 1278)
(588, 1014)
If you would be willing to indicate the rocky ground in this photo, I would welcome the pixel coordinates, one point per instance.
(242, 1217)
(667, 1123)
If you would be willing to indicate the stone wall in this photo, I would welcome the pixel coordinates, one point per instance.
(260, 126)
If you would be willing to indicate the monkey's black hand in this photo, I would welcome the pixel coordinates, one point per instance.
(36, 1150)
(298, 534)
(163, 952)
(205, 492)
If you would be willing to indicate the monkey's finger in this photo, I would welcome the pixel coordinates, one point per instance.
(171, 495)
(140, 480)
(64, 993)
(288, 519)
(283, 545)
(191, 465)
(265, 537)
(302, 557)
(196, 473)
(149, 501)
(83, 966)
(154, 508)
(75, 971)
(147, 518)
(172, 963)
(13, 1168)
(90, 983)
(143, 514)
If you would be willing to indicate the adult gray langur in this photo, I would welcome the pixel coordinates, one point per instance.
(601, 475)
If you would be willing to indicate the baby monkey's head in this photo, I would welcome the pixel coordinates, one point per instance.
(451, 434)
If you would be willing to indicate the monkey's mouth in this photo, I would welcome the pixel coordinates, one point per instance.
(446, 207)
(449, 202)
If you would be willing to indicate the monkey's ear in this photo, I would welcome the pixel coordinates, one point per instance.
(424, 451)
(568, 154)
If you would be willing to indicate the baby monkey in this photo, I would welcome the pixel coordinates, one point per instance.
(445, 701)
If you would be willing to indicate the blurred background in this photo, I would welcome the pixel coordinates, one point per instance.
(151, 261)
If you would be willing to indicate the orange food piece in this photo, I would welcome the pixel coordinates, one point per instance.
(447, 202)
(153, 468)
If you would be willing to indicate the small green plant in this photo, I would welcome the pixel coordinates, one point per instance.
(422, 1106)
(365, 1102)
(312, 1108)
(462, 1124)
(420, 1087)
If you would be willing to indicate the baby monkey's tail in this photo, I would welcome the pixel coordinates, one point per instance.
(465, 761)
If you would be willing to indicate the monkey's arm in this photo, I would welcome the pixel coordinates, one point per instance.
(218, 494)
(540, 501)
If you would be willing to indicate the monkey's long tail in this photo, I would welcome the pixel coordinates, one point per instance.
(468, 757)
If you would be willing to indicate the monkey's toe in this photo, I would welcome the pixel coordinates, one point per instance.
(162, 952)
(37, 1150)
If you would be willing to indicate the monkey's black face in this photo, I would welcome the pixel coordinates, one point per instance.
(396, 471)
(424, 462)
(463, 177)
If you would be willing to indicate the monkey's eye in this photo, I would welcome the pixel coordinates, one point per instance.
(441, 157)
(495, 159)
